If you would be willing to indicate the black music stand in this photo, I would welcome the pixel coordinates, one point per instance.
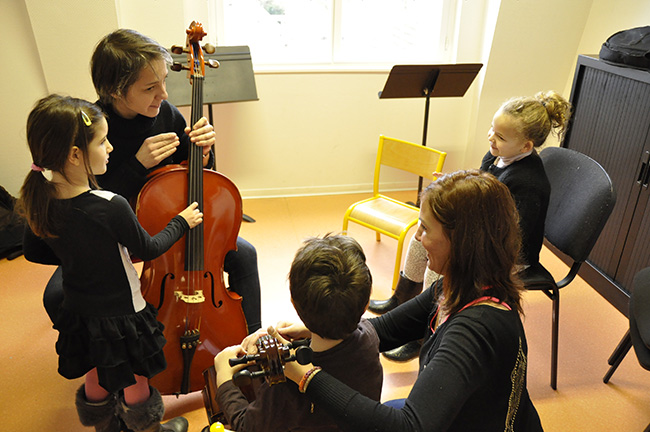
(409, 81)
(232, 81)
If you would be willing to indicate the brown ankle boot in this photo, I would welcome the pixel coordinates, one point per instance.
(406, 289)
(146, 416)
(101, 415)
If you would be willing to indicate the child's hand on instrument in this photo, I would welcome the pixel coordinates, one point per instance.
(192, 215)
(249, 344)
(273, 332)
(224, 371)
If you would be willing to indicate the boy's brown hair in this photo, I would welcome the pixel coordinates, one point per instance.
(330, 285)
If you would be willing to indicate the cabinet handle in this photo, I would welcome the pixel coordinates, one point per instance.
(641, 172)
(644, 173)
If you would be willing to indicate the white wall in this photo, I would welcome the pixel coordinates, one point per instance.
(309, 133)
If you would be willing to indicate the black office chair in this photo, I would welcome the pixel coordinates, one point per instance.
(582, 198)
(639, 333)
(638, 336)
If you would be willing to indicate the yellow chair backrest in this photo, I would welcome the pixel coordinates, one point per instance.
(407, 156)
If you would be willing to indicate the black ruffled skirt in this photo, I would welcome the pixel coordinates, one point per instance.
(119, 347)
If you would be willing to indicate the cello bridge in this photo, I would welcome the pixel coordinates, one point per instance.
(197, 297)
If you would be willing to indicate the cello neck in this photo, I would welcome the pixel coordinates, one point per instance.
(194, 256)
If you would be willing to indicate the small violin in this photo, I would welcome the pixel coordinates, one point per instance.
(271, 357)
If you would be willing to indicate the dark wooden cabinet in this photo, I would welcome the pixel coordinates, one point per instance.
(611, 123)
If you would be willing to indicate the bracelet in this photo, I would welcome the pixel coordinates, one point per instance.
(304, 382)
(301, 384)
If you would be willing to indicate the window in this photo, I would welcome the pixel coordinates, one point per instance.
(337, 32)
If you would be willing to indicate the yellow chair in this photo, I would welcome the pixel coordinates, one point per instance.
(386, 215)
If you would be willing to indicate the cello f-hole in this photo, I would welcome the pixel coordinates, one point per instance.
(211, 276)
(162, 289)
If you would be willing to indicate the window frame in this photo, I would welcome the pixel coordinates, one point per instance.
(447, 46)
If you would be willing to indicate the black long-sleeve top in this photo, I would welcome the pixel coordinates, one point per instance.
(527, 181)
(281, 407)
(125, 175)
(93, 248)
(472, 374)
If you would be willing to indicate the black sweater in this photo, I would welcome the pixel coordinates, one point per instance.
(93, 248)
(472, 374)
(125, 175)
(281, 407)
(530, 188)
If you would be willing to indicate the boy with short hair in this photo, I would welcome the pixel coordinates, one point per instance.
(330, 289)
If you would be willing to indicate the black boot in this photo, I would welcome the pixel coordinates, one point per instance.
(404, 353)
(146, 416)
(101, 415)
(406, 289)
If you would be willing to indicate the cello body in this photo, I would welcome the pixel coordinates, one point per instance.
(218, 317)
(186, 284)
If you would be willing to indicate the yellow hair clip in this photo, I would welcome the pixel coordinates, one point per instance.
(86, 119)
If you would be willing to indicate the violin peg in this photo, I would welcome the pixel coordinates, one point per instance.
(242, 378)
(209, 48)
(213, 63)
(304, 355)
(178, 49)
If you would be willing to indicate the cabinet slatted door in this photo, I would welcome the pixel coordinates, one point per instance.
(611, 124)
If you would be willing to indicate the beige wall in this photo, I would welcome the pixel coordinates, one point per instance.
(21, 82)
(606, 18)
(532, 50)
(309, 133)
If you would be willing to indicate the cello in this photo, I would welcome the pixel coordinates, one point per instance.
(186, 284)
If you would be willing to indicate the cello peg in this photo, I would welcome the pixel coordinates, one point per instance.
(213, 63)
(178, 49)
(209, 48)
(177, 67)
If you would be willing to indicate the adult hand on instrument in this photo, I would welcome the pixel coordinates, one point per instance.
(224, 371)
(192, 215)
(202, 134)
(156, 148)
(292, 331)
(295, 371)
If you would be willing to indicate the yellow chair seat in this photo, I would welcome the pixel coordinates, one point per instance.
(384, 214)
